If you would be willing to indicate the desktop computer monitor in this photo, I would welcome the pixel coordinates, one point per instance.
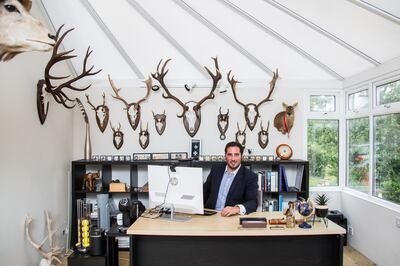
(178, 188)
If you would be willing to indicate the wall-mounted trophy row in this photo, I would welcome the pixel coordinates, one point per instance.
(191, 110)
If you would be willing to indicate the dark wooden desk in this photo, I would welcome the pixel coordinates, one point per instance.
(215, 240)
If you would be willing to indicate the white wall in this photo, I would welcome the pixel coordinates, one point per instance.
(34, 159)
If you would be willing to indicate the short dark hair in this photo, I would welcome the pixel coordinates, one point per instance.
(234, 144)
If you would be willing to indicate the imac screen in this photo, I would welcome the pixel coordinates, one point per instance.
(182, 189)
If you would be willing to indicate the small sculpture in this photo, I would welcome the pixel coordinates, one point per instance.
(289, 213)
(223, 123)
(144, 137)
(160, 122)
(89, 180)
(118, 136)
(263, 137)
(284, 120)
(241, 135)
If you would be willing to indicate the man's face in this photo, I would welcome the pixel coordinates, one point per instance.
(233, 158)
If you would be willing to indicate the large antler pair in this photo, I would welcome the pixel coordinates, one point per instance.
(252, 107)
(57, 90)
(159, 76)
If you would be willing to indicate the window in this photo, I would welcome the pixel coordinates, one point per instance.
(322, 103)
(388, 93)
(323, 137)
(358, 100)
(358, 154)
(323, 152)
(387, 157)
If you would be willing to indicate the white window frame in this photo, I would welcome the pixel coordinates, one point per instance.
(363, 111)
(336, 115)
(373, 110)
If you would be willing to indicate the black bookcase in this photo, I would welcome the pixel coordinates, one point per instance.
(81, 167)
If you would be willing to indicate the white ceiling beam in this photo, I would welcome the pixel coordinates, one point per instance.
(223, 35)
(376, 10)
(53, 28)
(282, 39)
(167, 36)
(112, 38)
(322, 31)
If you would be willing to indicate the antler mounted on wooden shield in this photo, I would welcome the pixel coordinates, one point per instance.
(144, 136)
(46, 84)
(241, 135)
(251, 112)
(160, 122)
(102, 113)
(263, 136)
(132, 109)
(223, 123)
(118, 136)
(191, 111)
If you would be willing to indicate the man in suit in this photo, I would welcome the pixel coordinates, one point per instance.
(231, 187)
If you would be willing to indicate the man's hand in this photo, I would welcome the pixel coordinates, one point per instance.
(229, 211)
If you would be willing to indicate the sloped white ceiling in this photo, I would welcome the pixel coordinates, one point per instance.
(308, 40)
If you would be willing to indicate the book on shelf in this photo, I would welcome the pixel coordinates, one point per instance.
(283, 184)
(299, 176)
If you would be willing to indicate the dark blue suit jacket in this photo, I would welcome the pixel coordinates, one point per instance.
(244, 188)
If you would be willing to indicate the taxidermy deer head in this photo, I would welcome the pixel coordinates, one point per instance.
(118, 136)
(191, 111)
(263, 136)
(132, 109)
(102, 113)
(144, 137)
(251, 110)
(241, 135)
(160, 122)
(284, 120)
(223, 123)
(19, 31)
(47, 85)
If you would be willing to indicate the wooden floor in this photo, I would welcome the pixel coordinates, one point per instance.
(352, 257)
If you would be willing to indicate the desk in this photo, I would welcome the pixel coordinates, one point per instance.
(215, 240)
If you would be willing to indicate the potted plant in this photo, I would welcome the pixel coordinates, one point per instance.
(321, 205)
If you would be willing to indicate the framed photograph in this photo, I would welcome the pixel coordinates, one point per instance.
(142, 156)
(201, 158)
(102, 158)
(195, 148)
(221, 158)
(214, 158)
(160, 156)
(258, 157)
(128, 158)
(95, 157)
(270, 158)
(178, 155)
(115, 158)
(109, 157)
(122, 158)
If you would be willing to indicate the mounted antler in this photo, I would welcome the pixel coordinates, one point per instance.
(263, 136)
(102, 113)
(241, 135)
(118, 136)
(191, 114)
(223, 123)
(144, 136)
(54, 252)
(46, 85)
(251, 111)
(132, 109)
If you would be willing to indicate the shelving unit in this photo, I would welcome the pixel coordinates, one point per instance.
(81, 167)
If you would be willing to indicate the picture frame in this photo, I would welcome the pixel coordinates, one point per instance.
(109, 157)
(95, 157)
(142, 156)
(115, 158)
(195, 148)
(178, 155)
(102, 158)
(122, 158)
(128, 158)
(160, 156)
